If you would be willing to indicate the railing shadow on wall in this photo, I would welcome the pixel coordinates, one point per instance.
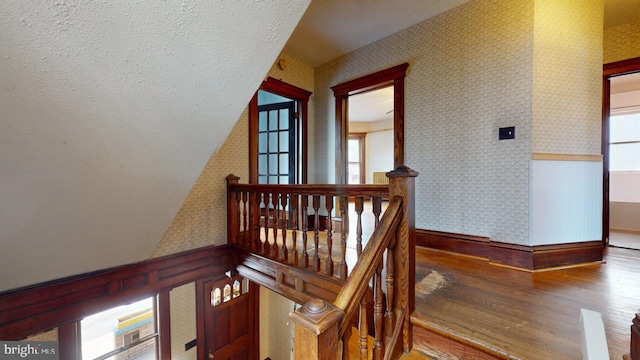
(286, 241)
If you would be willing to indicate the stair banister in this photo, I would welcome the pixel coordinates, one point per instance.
(319, 325)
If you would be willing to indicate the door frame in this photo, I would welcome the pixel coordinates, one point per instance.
(391, 76)
(301, 96)
(610, 70)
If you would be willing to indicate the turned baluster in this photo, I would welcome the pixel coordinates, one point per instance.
(266, 247)
(293, 210)
(276, 217)
(305, 230)
(363, 330)
(342, 268)
(243, 216)
(284, 252)
(377, 209)
(390, 315)
(359, 205)
(254, 200)
(232, 204)
(316, 232)
(378, 349)
(329, 262)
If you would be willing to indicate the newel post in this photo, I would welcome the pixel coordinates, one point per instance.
(402, 183)
(315, 330)
(232, 210)
(635, 338)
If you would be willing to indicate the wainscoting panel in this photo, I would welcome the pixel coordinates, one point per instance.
(565, 202)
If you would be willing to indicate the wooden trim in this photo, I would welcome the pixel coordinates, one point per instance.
(392, 76)
(39, 307)
(69, 340)
(372, 81)
(519, 256)
(566, 157)
(635, 338)
(621, 67)
(164, 325)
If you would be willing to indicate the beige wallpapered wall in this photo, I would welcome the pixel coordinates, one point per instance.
(51, 335)
(470, 72)
(567, 70)
(182, 305)
(622, 42)
(202, 217)
(201, 221)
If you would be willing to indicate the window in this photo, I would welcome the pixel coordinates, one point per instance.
(356, 169)
(277, 134)
(624, 145)
(122, 332)
(277, 139)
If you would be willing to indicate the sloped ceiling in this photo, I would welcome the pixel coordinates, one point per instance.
(108, 113)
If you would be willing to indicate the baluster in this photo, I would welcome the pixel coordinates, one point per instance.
(359, 205)
(284, 252)
(305, 229)
(256, 244)
(276, 216)
(343, 239)
(363, 330)
(266, 247)
(377, 209)
(316, 233)
(390, 317)
(245, 228)
(293, 210)
(329, 262)
(345, 342)
(378, 349)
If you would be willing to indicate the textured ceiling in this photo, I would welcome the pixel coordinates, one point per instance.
(331, 28)
(109, 112)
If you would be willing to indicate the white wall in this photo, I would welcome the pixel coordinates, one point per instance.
(624, 200)
(566, 202)
(379, 151)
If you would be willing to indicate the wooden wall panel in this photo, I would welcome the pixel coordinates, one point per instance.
(39, 307)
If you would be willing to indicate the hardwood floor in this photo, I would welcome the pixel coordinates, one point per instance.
(524, 315)
(629, 240)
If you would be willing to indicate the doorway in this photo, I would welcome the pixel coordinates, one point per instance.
(389, 78)
(621, 150)
(370, 144)
(624, 161)
(227, 313)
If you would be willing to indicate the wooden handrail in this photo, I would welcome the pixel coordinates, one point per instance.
(373, 190)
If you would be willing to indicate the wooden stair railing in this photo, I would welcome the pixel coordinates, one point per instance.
(284, 238)
(294, 225)
(320, 326)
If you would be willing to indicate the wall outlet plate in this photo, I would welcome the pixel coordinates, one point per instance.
(507, 133)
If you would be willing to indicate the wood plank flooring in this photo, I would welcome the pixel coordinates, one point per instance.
(525, 315)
